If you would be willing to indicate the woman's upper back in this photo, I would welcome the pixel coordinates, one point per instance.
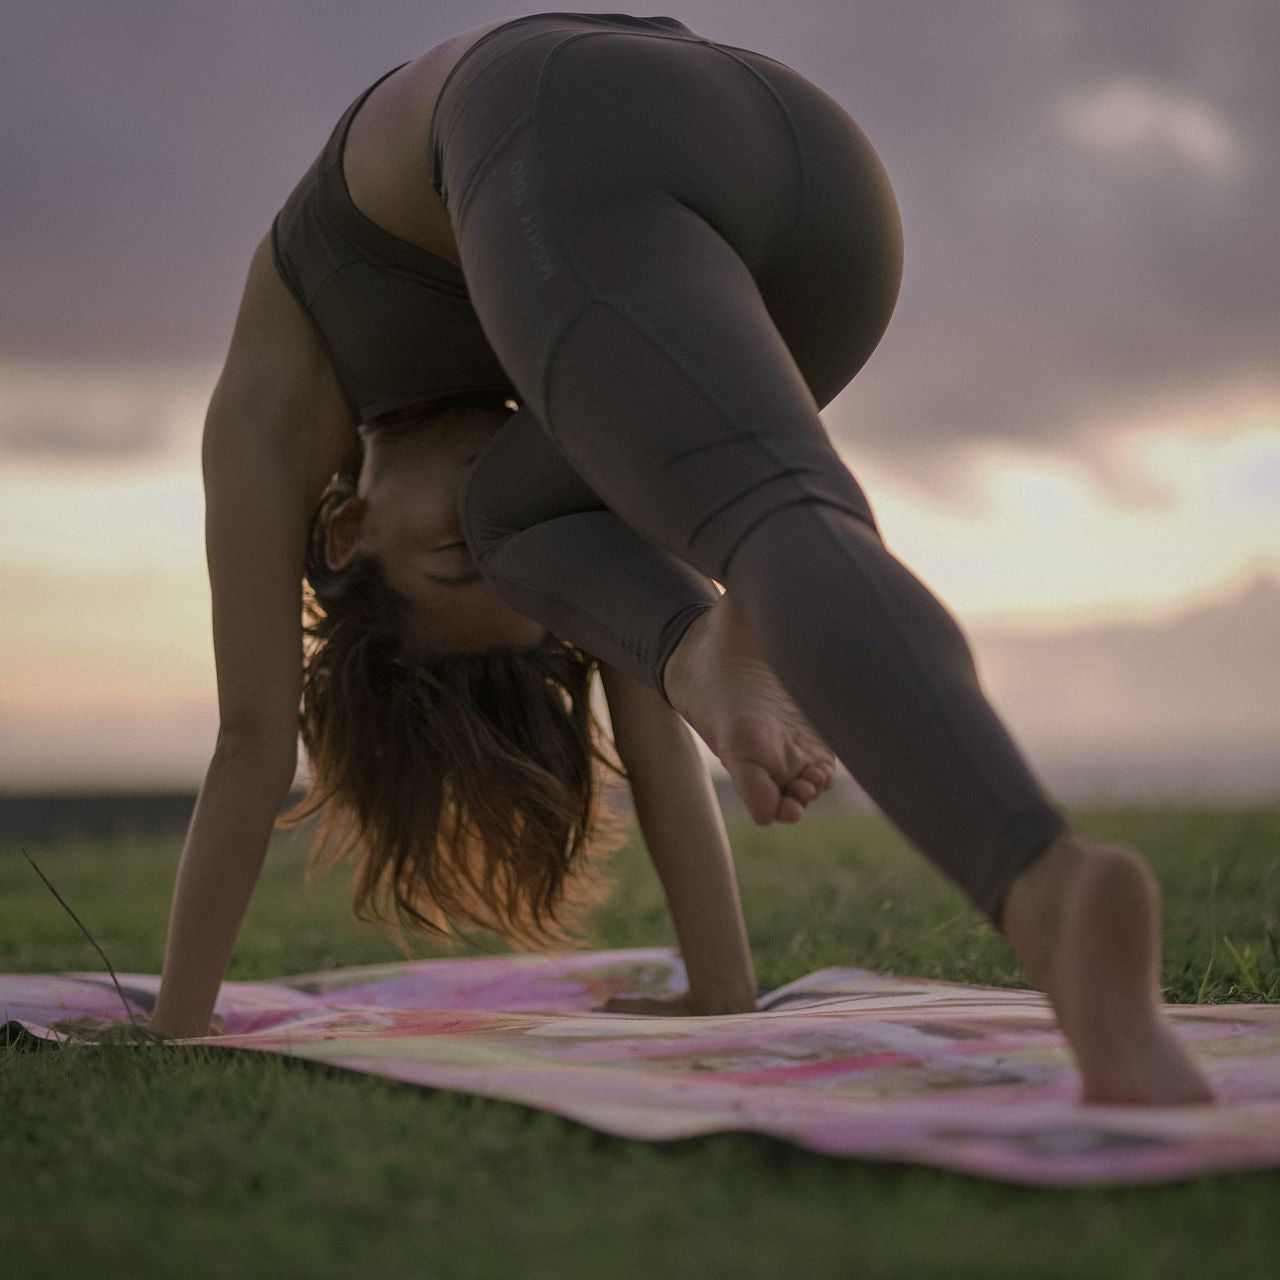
(364, 245)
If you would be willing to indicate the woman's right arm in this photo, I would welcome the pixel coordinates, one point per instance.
(276, 430)
(684, 831)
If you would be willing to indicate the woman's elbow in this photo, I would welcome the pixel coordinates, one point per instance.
(269, 753)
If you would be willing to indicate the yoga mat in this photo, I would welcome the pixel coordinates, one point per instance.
(844, 1061)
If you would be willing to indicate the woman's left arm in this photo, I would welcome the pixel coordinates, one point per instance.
(684, 831)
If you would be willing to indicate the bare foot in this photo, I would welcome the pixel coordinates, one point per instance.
(719, 681)
(1084, 922)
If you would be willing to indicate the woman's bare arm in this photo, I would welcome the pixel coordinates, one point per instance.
(276, 430)
(684, 831)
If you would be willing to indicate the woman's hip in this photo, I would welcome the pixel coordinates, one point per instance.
(594, 111)
(572, 158)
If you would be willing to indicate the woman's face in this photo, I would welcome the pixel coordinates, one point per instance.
(405, 514)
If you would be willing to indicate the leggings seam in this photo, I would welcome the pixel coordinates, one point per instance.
(594, 294)
(798, 205)
(730, 52)
(816, 500)
(800, 495)
(480, 170)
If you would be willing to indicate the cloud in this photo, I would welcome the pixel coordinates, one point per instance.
(1134, 119)
(1181, 708)
(1048, 541)
(73, 409)
(1052, 289)
(1086, 189)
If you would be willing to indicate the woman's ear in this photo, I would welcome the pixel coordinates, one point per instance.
(342, 533)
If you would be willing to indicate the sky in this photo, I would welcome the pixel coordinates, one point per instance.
(1073, 423)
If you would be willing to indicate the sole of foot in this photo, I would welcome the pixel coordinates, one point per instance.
(719, 681)
(1084, 922)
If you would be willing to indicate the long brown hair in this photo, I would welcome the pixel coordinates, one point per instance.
(464, 786)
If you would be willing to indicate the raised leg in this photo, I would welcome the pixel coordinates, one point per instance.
(659, 295)
(545, 541)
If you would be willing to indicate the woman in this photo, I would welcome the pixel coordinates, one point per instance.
(670, 253)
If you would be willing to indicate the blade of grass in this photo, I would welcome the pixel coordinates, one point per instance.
(1204, 981)
(1246, 961)
(66, 906)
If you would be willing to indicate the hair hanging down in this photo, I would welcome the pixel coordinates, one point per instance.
(464, 785)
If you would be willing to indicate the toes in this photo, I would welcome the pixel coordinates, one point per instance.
(765, 801)
(803, 789)
(758, 790)
(810, 782)
(790, 809)
(819, 776)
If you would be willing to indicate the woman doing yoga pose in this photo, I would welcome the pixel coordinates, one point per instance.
(559, 304)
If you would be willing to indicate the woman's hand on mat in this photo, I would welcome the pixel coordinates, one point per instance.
(683, 1005)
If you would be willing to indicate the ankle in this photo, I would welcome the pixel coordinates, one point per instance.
(684, 669)
(1080, 889)
(1032, 914)
(1024, 899)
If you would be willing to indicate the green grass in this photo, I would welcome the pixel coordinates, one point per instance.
(181, 1163)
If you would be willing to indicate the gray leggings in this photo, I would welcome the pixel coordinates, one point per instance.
(680, 251)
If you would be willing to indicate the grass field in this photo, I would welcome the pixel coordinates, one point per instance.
(180, 1163)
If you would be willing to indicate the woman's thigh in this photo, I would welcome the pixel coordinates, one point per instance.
(679, 252)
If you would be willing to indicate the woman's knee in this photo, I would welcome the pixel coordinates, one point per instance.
(795, 542)
(520, 479)
(790, 515)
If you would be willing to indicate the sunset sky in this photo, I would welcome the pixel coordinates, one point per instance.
(1073, 422)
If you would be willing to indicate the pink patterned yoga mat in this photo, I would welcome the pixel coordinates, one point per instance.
(844, 1061)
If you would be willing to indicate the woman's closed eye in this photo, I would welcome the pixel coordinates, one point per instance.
(455, 550)
(460, 580)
